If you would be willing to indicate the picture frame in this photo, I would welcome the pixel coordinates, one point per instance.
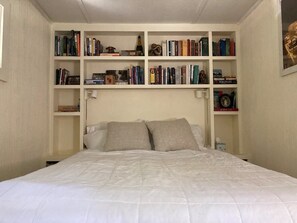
(4, 39)
(98, 76)
(73, 80)
(288, 36)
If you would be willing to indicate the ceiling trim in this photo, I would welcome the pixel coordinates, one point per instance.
(40, 9)
(199, 10)
(84, 10)
(257, 3)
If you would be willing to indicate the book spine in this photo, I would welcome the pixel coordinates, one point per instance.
(185, 48)
(204, 46)
(227, 47)
(188, 47)
(164, 49)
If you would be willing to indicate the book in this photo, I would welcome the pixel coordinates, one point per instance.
(232, 48)
(222, 44)
(195, 74)
(184, 48)
(164, 49)
(204, 46)
(227, 47)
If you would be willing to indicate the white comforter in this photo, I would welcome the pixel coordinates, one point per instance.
(150, 187)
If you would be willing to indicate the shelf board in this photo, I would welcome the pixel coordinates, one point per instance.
(177, 58)
(66, 86)
(122, 58)
(225, 112)
(66, 113)
(218, 86)
(182, 86)
(220, 58)
(67, 58)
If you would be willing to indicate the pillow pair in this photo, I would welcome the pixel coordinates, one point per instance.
(167, 136)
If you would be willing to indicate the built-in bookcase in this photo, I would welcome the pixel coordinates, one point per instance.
(67, 128)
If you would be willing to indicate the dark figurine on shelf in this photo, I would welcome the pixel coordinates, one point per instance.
(139, 48)
(110, 49)
(203, 77)
(156, 50)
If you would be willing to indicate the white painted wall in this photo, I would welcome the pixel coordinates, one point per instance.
(269, 105)
(24, 109)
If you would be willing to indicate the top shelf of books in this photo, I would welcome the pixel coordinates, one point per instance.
(154, 44)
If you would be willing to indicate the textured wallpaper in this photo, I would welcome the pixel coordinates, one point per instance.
(269, 117)
(24, 109)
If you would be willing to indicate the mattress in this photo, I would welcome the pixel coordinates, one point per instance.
(150, 187)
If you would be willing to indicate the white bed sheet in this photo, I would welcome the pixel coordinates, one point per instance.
(150, 187)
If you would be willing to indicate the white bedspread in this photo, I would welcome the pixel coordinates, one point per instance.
(150, 187)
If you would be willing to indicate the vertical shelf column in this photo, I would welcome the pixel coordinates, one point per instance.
(82, 92)
(146, 51)
(211, 96)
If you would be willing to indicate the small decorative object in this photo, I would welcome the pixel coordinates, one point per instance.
(203, 77)
(122, 75)
(110, 49)
(220, 145)
(109, 79)
(139, 48)
(156, 50)
(225, 101)
(73, 80)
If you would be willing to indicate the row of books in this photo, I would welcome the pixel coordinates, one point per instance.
(136, 75)
(185, 47)
(186, 74)
(61, 76)
(133, 76)
(68, 45)
(224, 47)
(93, 47)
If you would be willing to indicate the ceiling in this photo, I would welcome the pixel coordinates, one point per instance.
(146, 11)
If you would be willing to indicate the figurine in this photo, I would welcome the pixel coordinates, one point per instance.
(110, 49)
(203, 77)
(156, 50)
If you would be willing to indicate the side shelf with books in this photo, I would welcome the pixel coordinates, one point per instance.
(65, 126)
(93, 57)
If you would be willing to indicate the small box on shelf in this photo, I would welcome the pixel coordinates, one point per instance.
(68, 108)
(225, 100)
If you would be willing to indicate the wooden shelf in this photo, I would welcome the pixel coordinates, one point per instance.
(66, 113)
(124, 37)
(173, 86)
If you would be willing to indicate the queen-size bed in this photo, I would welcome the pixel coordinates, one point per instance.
(173, 182)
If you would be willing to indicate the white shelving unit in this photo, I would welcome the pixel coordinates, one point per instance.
(67, 128)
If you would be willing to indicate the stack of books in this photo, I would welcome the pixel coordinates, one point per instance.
(218, 78)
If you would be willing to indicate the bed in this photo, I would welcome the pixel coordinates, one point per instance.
(150, 186)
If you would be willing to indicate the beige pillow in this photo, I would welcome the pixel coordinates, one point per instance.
(172, 135)
(127, 136)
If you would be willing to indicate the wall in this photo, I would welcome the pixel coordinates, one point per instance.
(24, 98)
(269, 117)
